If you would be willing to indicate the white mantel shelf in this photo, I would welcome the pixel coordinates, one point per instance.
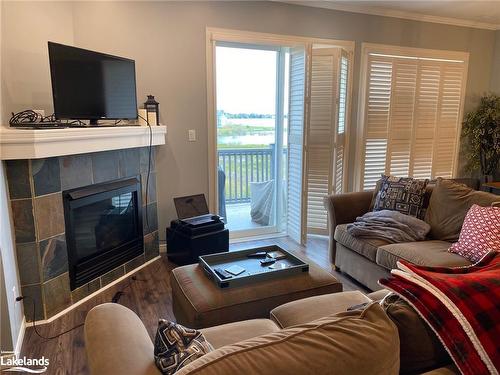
(44, 143)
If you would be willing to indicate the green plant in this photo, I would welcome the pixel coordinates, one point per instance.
(482, 130)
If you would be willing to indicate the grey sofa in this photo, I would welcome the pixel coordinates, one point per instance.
(117, 342)
(368, 260)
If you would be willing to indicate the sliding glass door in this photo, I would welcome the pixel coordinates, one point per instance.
(278, 110)
(252, 110)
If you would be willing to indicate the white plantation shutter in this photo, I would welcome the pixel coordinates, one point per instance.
(339, 170)
(295, 143)
(412, 117)
(325, 133)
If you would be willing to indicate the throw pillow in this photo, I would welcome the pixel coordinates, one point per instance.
(420, 349)
(480, 233)
(402, 194)
(176, 346)
(448, 206)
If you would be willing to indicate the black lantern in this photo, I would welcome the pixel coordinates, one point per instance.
(152, 108)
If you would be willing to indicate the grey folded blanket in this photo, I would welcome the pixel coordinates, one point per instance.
(391, 226)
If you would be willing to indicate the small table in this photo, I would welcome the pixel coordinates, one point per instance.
(198, 303)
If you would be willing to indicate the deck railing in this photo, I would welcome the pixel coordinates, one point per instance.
(245, 165)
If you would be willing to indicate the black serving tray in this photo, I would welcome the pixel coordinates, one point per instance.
(254, 271)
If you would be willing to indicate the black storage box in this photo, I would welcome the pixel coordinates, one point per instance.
(186, 243)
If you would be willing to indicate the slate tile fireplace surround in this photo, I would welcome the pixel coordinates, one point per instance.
(36, 189)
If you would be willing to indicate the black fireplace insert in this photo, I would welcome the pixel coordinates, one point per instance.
(103, 228)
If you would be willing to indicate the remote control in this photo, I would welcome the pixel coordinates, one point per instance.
(222, 274)
(259, 254)
(267, 262)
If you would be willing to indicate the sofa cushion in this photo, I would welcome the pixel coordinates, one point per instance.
(231, 333)
(449, 203)
(356, 342)
(363, 246)
(402, 194)
(420, 348)
(424, 253)
(308, 309)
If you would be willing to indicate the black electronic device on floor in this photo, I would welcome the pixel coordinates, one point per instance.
(196, 232)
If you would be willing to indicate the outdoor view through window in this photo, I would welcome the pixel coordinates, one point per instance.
(252, 98)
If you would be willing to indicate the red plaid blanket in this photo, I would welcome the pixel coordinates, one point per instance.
(462, 305)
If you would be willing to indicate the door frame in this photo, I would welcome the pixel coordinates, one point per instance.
(215, 35)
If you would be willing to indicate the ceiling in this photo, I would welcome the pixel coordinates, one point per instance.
(472, 13)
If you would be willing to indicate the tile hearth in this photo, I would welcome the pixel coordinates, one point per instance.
(35, 190)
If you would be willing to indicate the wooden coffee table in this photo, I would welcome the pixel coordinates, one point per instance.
(198, 303)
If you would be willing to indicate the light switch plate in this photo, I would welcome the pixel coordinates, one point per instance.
(192, 135)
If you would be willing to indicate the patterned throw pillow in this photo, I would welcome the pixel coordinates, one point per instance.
(480, 233)
(176, 346)
(402, 194)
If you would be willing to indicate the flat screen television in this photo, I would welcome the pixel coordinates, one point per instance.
(88, 85)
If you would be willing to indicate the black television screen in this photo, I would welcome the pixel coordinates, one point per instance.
(88, 85)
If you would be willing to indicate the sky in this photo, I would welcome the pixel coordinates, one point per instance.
(246, 80)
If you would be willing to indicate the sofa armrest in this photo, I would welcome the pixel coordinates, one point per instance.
(117, 342)
(344, 209)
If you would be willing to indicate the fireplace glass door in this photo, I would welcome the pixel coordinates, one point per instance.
(103, 228)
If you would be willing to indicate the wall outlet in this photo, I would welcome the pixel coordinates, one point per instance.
(41, 112)
(192, 135)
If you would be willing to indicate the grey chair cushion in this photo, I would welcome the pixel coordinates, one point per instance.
(424, 253)
(363, 246)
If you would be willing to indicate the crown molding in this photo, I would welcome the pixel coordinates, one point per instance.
(394, 13)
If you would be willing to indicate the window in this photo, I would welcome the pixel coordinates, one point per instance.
(412, 111)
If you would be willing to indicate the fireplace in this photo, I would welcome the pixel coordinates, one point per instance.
(103, 228)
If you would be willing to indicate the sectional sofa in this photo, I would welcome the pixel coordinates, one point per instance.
(368, 260)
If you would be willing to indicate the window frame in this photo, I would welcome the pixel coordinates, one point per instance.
(219, 35)
(410, 52)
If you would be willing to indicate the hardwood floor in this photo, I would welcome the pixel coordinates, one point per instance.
(150, 297)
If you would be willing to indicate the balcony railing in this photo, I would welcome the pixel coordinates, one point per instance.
(245, 165)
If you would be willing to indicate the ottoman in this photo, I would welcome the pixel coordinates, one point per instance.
(198, 303)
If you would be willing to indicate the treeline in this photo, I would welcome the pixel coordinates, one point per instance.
(243, 115)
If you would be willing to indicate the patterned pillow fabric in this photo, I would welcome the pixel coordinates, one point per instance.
(480, 233)
(176, 346)
(402, 194)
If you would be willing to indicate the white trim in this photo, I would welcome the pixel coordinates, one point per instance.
(408, 15)
(253, 232)
(163, 248)
(252, 37)
(90, 296)
(423, 53)
(36, 144)
(213, 200)
(257, 237)
(20, 338)
(214, 35)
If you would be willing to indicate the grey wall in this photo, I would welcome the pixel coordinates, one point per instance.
(495, 75)
(167, 40)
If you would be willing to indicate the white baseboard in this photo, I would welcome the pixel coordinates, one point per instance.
(90, 296)
(163, 248)
(20, 338)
